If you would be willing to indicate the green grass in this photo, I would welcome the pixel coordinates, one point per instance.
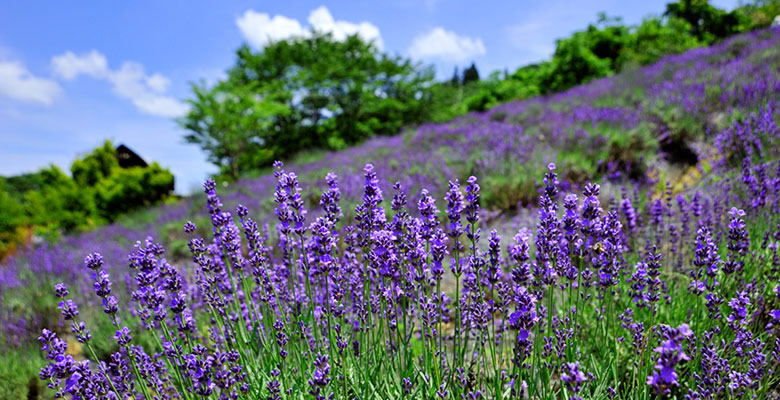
(19, 375)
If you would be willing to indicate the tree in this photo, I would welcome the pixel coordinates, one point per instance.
(127, 189)
(11, 219)
(655, 38)
(707, 22)
(757, 14)
(60, 204)
(574, 63)
(470, 74)
(231, 123)
(49, 202)
(95, 166)
(455, 80)
(607, 38)
(110, 190)
(304, 93)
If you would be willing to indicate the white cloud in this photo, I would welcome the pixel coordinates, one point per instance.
(130, 81)
(68, 66)
(158, 83)
(446, 45)
(145, 92)
(260, 28)
(321, 20)
(18, 83)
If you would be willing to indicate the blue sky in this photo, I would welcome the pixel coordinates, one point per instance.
(73, 74)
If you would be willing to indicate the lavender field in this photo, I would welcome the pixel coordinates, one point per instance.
(616, 240)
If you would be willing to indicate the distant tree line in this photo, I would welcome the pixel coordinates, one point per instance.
(50, 202)
(314, 92)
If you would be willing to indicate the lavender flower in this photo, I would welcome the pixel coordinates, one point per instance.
(738, 242)
(573, 377)
(670, 354)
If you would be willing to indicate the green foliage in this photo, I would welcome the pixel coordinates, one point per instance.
(655, 38)
(306, 93)
(453, 99)
(574, 62)
(607, 39)
(758, 14)
(447, 100)
(707, 23)
(18, 375)
(51, 202)
(608, 47)
(11, 219)
(59, 203)
(132, 188)
(233, 125)
(95, 166)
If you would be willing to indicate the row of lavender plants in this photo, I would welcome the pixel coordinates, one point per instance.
(666, 296)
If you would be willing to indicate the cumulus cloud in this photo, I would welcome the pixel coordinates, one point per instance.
(68, 66)
(446, 45)
(130, 81)
(18, 83)
(157, 82)
(146, 92)
(260, 28)
(321, 20)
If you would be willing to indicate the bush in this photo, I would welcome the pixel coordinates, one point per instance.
(132, 188)
(51, 202)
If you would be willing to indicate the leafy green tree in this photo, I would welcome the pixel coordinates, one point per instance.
(574, 63)
(114, 190)
(607, 38)
(60, 204)
(497, 88)
(757, 14)
(655, 38)
(707, 22)
(51, 202)
(304, 93)
(233, 124)
(530, 77)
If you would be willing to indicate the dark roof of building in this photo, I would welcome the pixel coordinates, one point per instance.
(127, 158)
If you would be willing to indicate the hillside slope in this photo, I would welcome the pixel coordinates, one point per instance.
(630, 126)
(645, 126)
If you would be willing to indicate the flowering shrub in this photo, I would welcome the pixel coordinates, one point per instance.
(410, 301)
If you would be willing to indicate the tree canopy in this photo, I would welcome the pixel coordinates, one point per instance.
(304, 93)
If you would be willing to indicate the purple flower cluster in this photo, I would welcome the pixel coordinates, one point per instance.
(307, 306)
